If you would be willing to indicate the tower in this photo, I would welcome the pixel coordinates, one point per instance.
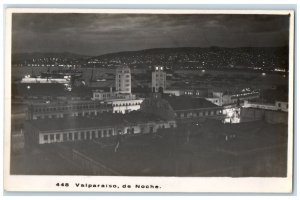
(123, 80)
(158, 79)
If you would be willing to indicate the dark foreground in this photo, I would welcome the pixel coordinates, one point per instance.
(255, 149)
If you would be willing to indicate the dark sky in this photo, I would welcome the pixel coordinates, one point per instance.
(96, 34)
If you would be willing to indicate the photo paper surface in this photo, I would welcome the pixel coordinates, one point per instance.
(149, 100)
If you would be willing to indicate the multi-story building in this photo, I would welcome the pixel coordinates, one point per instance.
(81, 128)
(66, 109)
(121, 100)
(123, 80)
(158, 79)
(121, 103)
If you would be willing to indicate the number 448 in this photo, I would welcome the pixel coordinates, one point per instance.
(62, 184)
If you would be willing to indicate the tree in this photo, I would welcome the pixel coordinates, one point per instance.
(159, 107)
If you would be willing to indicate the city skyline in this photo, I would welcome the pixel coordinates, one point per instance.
(178, 95)
(97, 34)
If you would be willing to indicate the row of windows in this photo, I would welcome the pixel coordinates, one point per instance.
(127, 80)
(94, 134)
(127, 104)
(74, 107)
(81, 114)
(195, 114)
(103, 94)
(192, 93)
(83, 135)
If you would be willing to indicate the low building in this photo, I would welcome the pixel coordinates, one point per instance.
(278, 106)
(120, 102)
(66, 109)
(227, 98)
(82, 128)
(188, 109)
(182, 108)
(270, 116)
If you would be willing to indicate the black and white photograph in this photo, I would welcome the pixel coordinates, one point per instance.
(148, 95)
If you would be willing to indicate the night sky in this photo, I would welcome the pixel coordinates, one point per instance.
(96, 34)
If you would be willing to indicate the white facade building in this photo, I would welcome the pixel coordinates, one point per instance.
(120, 103)
(125, 105)
(44, 132)
(158, 79)
(123, 80)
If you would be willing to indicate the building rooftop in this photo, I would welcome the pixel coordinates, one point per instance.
(105, 119)
(186, 102)
(171, 155)
(69, 102)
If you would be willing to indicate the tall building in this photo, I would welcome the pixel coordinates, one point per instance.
(123, 80)
(158, 79)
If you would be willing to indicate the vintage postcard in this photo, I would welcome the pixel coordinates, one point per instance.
(149, 100)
